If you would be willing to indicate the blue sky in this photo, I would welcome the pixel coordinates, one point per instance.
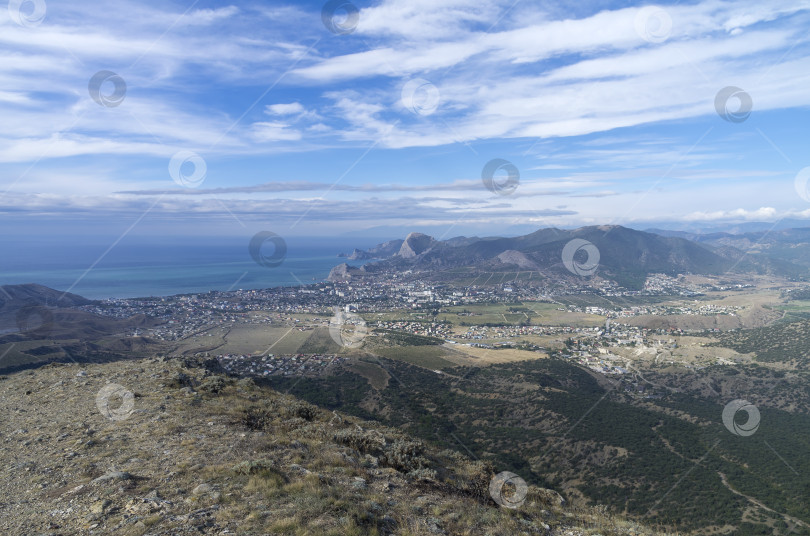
(607, 109)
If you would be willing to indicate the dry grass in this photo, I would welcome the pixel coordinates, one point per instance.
(271, 463)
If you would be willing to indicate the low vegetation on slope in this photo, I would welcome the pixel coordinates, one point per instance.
(667, 459)
(173, 447)
(788, 343)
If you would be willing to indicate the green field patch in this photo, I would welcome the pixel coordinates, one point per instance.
(797, 306)
(319, 341)
(515, 318)
(430, 357)
(400, 338)
(258, 339)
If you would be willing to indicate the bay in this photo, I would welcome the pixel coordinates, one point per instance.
(164, 267)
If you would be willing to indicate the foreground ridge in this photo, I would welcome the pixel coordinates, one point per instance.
(174, 446)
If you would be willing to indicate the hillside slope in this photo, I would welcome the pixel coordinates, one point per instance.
(35, 331)
(169, 447)
(22, 305)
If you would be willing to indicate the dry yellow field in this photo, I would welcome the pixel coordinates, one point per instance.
(467, 355)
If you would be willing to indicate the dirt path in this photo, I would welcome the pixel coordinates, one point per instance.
(786, 517)
(790, 519)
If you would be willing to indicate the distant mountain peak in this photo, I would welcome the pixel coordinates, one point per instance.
(415, 244)
(608, 228)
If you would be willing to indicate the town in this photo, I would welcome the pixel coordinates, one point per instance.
(450, 315)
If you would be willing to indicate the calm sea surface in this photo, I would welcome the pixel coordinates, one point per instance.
(162, 269)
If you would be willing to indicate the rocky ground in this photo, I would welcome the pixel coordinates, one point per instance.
(175, 447)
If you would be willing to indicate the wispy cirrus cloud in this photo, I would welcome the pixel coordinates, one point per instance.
(467, 186)
(589, 110)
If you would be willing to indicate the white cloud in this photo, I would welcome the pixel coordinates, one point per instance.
(205, 17)
(267, 131)
(760, 214)
(427, 19)
(291, 108)
(15, 97)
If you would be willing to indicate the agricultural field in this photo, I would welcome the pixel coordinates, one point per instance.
(468, 355)
(248, 339)
(529, 313)
(431, 357)
(795, 310)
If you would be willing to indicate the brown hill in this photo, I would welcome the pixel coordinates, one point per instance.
(170, 448)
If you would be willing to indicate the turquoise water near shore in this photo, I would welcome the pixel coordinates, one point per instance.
(136, 270)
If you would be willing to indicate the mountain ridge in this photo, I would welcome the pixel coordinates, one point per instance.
(625, 255)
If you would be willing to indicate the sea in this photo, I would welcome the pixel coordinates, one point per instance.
(101, 269)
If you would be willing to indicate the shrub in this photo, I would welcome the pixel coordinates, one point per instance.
(213, 384)
(425, 475)
(363, 441)
(256, 418)
(404, 456)
(305, 411)
(251, 467)
(476, 478)
(180, 380)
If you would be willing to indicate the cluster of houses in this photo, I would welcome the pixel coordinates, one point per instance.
(427, 329)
